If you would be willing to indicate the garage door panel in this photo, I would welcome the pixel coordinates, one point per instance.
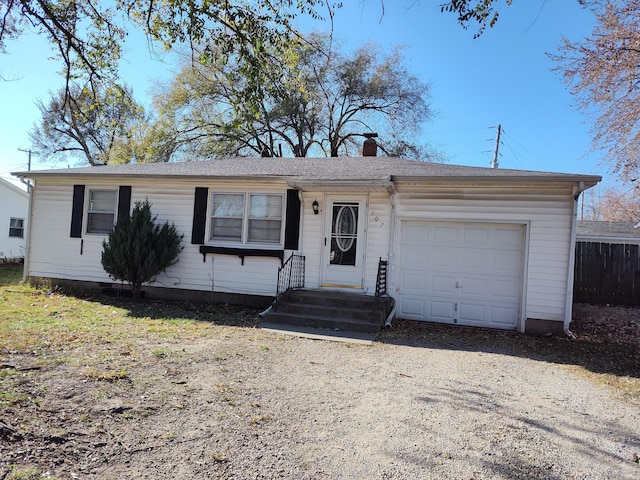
(508, 238)
(415, 233)
(445, 235)
(473, 286)
(441, 284)
(476, 260)
(413, 308)
(415, 256)
(502, 290)
(441, 310)
(443, 258)
(506, 263)
(414, 283)
(472, 273)
(472, 314)
(477, 236)
(503, 317)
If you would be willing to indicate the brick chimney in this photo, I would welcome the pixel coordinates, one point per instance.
(370, 146)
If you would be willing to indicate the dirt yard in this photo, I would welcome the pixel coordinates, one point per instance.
(423, 401)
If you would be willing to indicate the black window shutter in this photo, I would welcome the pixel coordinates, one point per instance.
(76, 211)
(124, 201)
(292, 225)
(199, 215)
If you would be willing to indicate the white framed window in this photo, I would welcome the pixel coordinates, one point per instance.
(255, 218)
(227, 214)
(101, 211)
(16, 227)
(264, 219)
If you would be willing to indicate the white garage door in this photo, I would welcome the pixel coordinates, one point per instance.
(464, 273)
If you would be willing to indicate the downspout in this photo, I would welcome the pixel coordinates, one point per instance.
(392, 232)
(577, 190)
(25, 267)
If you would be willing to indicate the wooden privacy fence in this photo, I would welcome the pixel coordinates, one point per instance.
(607, 273)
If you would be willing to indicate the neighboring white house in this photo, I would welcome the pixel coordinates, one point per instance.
(608, 232)
(14, 206)
(465, 245)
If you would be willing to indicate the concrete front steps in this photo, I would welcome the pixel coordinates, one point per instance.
(330, 310)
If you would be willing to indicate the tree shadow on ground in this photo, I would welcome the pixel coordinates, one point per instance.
(535, 434)
(607, 340)
(214, 313)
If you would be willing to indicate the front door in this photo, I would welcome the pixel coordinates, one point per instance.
(343, 242)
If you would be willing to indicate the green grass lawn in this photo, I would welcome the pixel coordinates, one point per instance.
(41, 319)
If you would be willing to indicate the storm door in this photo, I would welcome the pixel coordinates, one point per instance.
(343, 242)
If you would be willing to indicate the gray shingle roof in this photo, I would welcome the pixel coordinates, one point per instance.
(606, 230)
(312, 169)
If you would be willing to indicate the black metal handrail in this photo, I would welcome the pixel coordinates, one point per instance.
(381, 279)
(291, 274)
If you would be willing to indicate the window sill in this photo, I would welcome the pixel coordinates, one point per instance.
(241, 252)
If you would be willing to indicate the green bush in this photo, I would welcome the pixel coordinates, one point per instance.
(138, 249)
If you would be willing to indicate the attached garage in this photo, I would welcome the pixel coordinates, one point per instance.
(465, 273)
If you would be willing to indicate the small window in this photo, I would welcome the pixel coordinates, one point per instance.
(16, 227)
(258, 222)
(102, 211)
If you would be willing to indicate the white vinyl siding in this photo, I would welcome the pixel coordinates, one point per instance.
(311, 239)
(101, 211)
(54, 254)
(378, 237)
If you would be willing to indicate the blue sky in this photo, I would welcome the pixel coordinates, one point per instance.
(504, 77)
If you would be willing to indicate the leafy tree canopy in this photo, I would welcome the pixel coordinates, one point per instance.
(87, 35)
(94, 126)
(317, 101)
(602, 73)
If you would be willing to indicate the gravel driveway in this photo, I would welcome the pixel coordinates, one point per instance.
(299, 408)
(252, 404)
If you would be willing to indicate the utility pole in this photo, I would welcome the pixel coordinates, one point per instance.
(29, 163)
(494, 162)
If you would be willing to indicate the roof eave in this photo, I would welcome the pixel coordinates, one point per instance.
(113, 176)
(369, 184)
(588, 180)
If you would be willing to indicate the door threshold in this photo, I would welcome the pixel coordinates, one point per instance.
(338, 285)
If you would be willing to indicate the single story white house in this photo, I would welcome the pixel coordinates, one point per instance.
(14, 207)
(464, 245)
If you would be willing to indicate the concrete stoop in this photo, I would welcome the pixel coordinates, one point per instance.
(330, 310)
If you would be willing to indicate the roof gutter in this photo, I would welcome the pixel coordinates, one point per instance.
(577, 190)
(586, 180)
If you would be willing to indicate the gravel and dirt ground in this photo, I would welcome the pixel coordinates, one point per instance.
(423, 401)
